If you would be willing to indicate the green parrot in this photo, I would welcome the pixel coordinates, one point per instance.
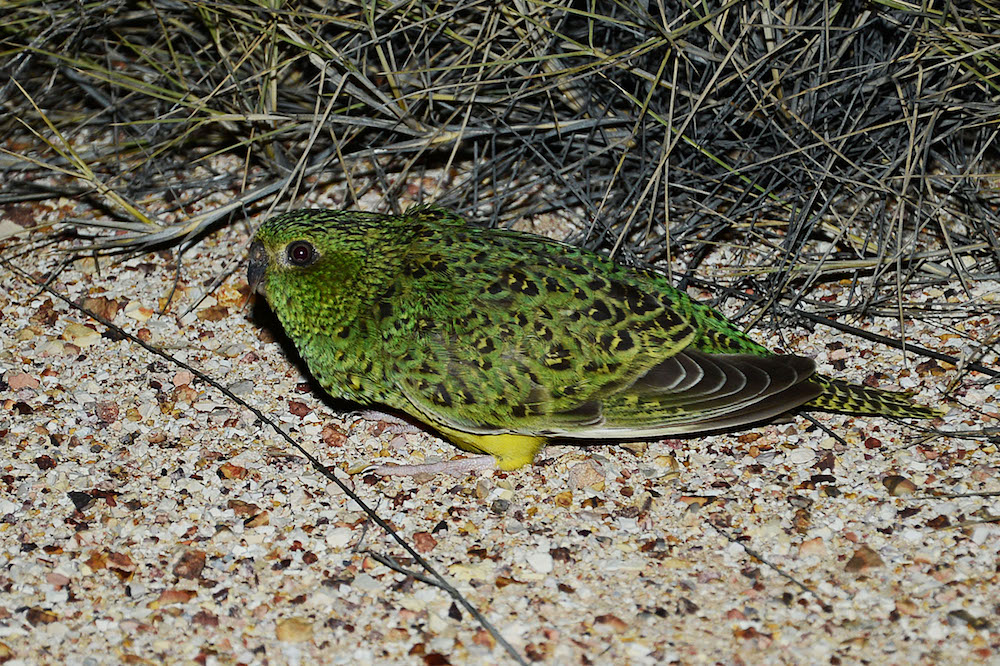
(502, 341)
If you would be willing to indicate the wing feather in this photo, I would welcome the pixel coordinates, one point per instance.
(559, 342)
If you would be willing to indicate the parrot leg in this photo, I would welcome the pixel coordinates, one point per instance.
(505, 451)
(391, 424)
(458, 467)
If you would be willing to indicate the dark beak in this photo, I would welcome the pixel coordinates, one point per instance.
(257, 267)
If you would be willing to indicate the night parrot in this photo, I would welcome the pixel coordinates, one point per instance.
(503, 341)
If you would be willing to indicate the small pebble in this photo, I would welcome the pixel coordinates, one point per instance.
(586, 475)
(540, 562)
(294, 630)
(899, 486)
(864, 560)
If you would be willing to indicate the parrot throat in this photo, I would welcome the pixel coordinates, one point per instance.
(335, 303)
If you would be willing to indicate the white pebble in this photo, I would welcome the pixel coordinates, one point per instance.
(540, 562)
(338, 538)
(801, 456)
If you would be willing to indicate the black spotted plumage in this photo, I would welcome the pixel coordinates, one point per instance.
(502, 339)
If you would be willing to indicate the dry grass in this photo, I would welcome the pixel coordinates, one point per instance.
(817, 140)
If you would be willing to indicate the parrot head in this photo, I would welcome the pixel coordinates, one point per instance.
(318, 266)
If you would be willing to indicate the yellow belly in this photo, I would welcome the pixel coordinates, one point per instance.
(510, 450)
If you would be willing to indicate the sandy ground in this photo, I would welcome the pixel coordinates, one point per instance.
(146, 518)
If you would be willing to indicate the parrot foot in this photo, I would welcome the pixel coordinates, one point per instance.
(389, 423)
(458, 467)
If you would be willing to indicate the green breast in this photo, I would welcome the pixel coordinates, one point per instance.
(347, 362)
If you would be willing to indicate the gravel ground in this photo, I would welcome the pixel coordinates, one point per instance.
(147, 518)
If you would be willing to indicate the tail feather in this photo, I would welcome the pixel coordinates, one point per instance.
(840, 396)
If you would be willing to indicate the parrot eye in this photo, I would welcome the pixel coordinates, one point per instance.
(301, 253)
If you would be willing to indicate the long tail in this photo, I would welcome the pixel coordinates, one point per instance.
(839, 396)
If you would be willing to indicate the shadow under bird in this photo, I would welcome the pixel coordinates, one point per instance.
(502, 341)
